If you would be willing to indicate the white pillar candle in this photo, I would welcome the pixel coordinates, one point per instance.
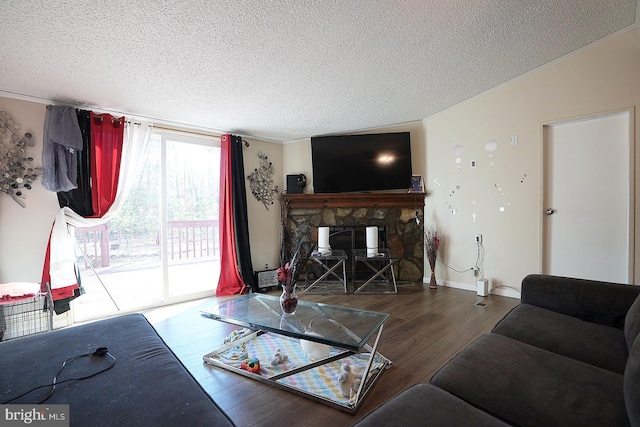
(323, 239)
(372, 239)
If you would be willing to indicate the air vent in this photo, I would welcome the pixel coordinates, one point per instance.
(482, 304)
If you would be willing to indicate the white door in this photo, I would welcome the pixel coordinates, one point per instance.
(587, 199)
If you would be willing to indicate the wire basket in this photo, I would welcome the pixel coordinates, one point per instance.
(26, 317)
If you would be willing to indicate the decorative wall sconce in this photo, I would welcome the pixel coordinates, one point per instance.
(261, 181)
(16, 171)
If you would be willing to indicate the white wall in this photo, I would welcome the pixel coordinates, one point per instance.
(603, 77)
(264, 222)
(24, 232)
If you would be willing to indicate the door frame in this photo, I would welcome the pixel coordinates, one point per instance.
(544, 184)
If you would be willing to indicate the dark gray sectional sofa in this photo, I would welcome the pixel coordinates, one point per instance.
(568, 355)
(141, 382)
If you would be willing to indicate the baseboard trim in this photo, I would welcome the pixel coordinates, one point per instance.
(501, 291)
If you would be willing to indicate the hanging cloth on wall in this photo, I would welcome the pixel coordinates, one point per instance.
(61, 139)
(109, 142)
(230, 281)
(107, 133)
(60, 270)
(80, 199)
(241, 217)
(236, 269)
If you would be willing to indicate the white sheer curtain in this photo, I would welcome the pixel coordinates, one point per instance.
(62, 253)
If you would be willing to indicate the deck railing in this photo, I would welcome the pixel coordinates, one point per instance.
(94, 241)
(193, 238)
(187, 239)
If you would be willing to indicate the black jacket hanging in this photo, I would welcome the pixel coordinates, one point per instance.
(79, 199)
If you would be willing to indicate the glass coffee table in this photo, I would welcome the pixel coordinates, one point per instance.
(321, 352)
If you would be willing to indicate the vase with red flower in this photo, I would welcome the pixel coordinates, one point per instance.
(289, 299)
(288, 275)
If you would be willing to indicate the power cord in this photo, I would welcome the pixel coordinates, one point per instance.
(99, 352)
(451, 268)
(510, 287)
(477, 265)
(479, 258)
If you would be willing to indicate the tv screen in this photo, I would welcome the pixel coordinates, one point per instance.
(371, 162)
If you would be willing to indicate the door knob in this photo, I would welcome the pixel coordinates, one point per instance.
(549, 211)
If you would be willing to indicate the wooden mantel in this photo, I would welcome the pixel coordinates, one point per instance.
(354, 200)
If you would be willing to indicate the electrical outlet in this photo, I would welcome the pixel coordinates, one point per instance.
(474, 270)
(478, 238)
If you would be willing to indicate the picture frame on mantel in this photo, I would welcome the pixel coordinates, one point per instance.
(417, 185)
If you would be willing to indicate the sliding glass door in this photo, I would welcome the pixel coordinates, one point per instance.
(192, 233)
(164, 245)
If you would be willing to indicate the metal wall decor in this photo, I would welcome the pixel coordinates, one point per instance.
(16, 171)
(261, 181)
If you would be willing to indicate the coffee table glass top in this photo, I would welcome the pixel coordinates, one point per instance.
(342, 327)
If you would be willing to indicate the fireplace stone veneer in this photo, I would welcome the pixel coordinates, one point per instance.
(396, 212)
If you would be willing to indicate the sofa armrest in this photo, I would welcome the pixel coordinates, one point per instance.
(591, 300)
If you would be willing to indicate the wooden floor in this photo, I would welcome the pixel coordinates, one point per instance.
(425, 329)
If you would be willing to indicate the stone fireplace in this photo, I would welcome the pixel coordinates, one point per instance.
(393, 213)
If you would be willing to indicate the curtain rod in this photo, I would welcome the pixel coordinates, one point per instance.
(192, 132)
(189, 132)
(99, 110)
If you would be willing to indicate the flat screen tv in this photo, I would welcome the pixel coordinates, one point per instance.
(361, 163)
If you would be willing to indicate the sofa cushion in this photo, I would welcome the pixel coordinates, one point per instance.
(632, 323)
(632, 384)
(592, 300)
(599, 345)
(529, 386)
(147, 386)
(426, 405)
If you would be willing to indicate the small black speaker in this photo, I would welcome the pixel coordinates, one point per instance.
(296, 183)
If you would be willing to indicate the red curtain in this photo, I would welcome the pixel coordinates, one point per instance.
(230, 281)
(107, 135)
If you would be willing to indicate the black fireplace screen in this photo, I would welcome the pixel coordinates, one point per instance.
(348, 238)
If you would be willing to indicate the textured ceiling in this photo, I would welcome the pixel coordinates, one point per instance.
(286, 69)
